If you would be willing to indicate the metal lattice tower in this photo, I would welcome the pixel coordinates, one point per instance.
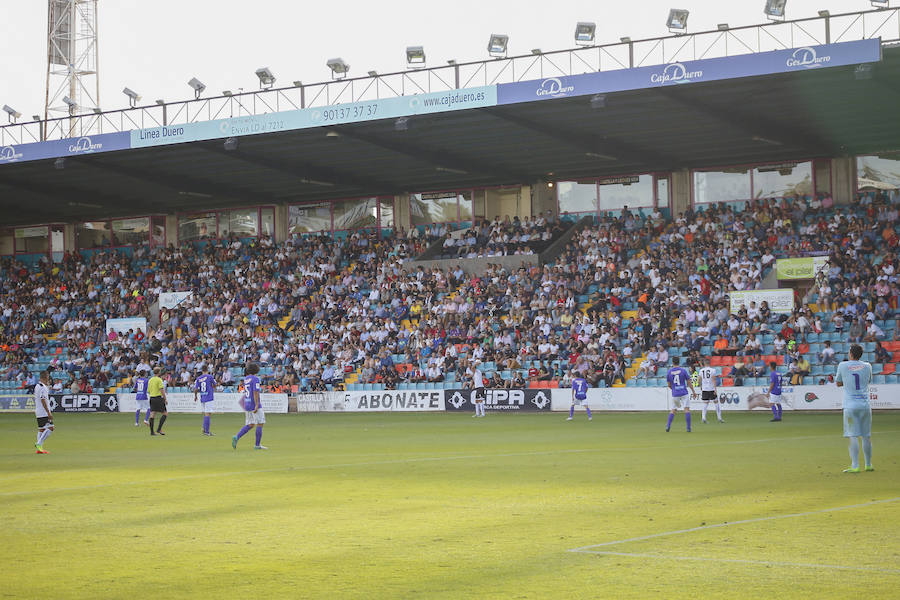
(73, 71)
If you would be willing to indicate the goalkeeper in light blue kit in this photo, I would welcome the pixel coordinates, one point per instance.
(854, 376)
(579, 396)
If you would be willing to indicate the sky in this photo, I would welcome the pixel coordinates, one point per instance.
(155, 47)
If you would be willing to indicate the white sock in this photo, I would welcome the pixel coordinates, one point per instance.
(44, 436)
(867, 450)
(40, 434)
(719, 411)
(705, 408)
(481, 408)
(854, 453)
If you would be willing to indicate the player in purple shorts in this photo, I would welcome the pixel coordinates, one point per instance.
(679, 383)
(205, 387)
(253, 412)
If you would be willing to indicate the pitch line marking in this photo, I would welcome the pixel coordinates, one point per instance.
(590, 549)
(399, 462)
(764, 563)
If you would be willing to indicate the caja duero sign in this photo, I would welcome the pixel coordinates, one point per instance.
(529, 400)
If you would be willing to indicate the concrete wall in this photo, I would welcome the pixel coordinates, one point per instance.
(843, 174)
(401, 211)
(7, 244)
(507, 201)
(542, 198)
(171, 230)
(281, 223)
(822, 175)
(680, 189)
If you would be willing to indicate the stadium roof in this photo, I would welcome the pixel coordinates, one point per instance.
(816, 113)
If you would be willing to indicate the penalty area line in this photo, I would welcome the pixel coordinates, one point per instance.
(588, 549)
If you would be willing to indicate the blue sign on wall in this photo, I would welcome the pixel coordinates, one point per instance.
(696, 71)
(306, 118)
(105, 142)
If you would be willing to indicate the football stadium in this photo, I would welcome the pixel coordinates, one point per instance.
(614, 321)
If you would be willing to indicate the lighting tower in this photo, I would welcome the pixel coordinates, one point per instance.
(73, 70)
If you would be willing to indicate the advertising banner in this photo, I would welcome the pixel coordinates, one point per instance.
(808, 267)
(780, 300)
(170, 300)
(224, 403)
(615, 399)
(372, 401)
(123, 325)
(23, 402)
(104, 142)
(305, 118)
(696, 71)
(83, 403)
(497, 400)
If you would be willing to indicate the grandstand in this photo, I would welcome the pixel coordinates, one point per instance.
(609, 237)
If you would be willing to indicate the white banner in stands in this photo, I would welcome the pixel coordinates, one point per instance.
(372, 401)
(780, 301)
(123, 325)
(224, 403)
(170, 300)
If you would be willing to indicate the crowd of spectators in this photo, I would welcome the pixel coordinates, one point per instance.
(352, 305)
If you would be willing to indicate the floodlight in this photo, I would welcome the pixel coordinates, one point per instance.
(338, 68)
(161, 102)
(598, 101)
(197, 86)
(401, 124)
(230, 144)
(584, 33)
(722, 27)
(227, 93)
(775, 9)
(70, 103)
(536, 51)
(36, 117)
(824, 13)
(13, 113)
(59, 163)
(625, 40)
(497, 44)
(298, 84)
(373, 73)
(415, 55)
(880, 3)
(97, 111)
(133, 97)
(266, 77)
(451, 62)
(677, 21)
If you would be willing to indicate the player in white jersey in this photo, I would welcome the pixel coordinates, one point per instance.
(708, 377)
(478, 388)
(854, 376)
(42, 412)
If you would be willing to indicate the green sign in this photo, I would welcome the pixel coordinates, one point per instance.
(799, 268)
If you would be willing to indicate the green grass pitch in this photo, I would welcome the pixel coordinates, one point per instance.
(446, 506)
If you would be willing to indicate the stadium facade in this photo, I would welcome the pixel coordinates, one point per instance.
(616, 126)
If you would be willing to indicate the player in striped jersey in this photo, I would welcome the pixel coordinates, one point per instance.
(708, 377)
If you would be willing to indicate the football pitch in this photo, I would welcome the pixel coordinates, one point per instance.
(447, 506)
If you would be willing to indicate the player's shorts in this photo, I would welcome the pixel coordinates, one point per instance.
(580, 401)
(478, 394)
(157, 404)
(143, 404)
(707, 395)
(858, 421)
(775, 398)
(208, 405)
(42, 422)
(682, 401)
(255, 418)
